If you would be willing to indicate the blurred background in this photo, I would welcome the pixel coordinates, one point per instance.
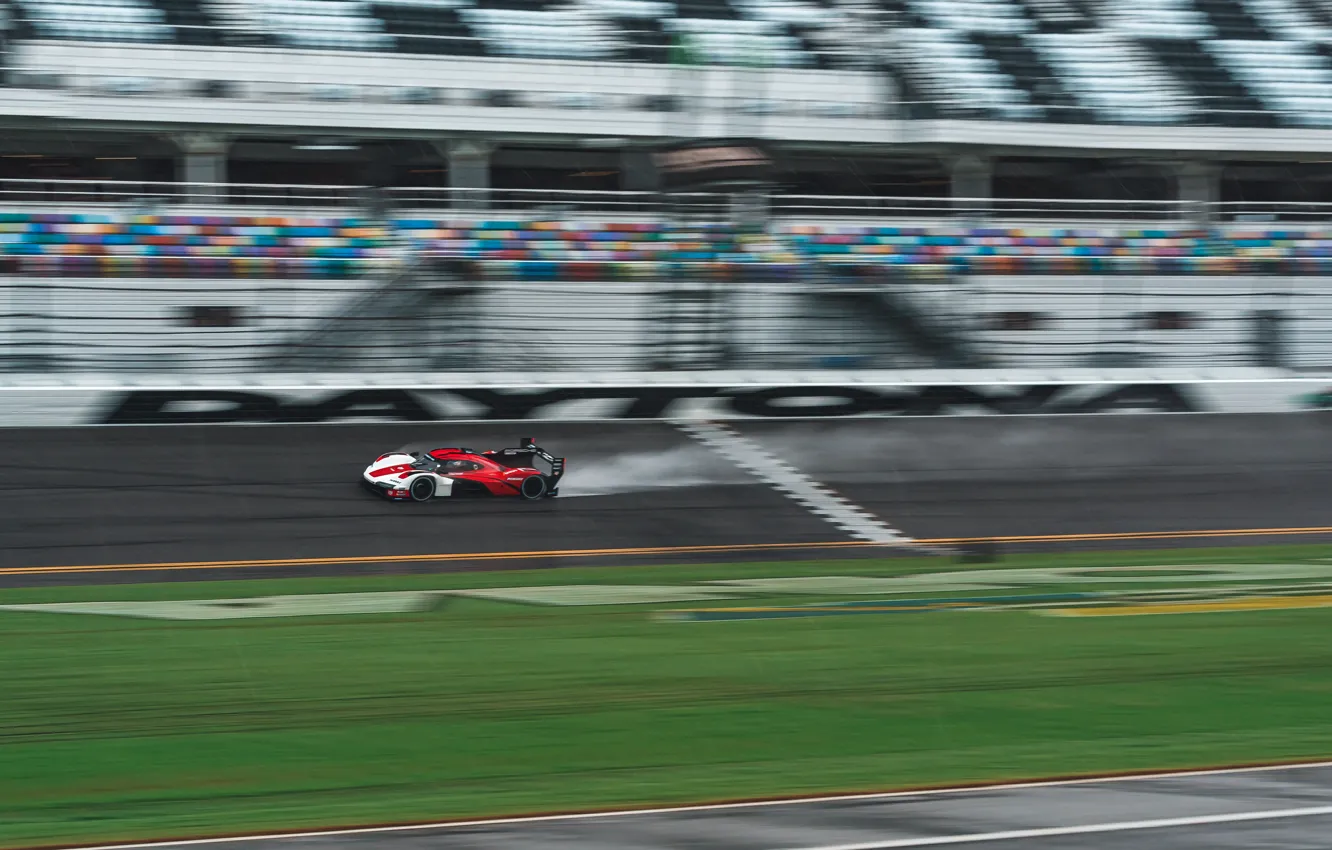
(242, 186)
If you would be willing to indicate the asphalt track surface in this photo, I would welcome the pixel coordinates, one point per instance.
(150, 495)
(1289, 808)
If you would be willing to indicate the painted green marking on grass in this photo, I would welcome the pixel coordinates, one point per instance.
(862, 607)
(597, 594)
(862, 585)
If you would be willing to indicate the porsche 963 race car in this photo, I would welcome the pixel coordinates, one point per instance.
(461, 472)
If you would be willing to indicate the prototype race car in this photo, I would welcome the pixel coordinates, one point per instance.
(463, 472)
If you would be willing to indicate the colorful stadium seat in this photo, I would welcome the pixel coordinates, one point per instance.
(279, 246)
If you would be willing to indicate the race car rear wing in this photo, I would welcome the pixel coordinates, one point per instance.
(524, 455)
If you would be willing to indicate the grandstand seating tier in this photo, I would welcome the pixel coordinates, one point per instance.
(38, 243)
(1244, 62)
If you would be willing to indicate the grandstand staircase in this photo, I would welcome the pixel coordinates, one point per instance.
(1319, 10)
(1015, 58)
(1231, 19)
(913, 95)
(880, 324)
(423, 317)
(689, 325)
(689, 314)
(193, 22)
(428, 29)
(1219, 93)
(239, 24)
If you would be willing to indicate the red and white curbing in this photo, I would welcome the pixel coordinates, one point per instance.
(794, 484)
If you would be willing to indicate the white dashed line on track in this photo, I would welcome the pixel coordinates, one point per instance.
(1082, 829)
(815, 497)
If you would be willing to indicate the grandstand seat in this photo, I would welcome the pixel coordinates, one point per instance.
(192, 245)
(997, 16)
(1158, 19)
(324, 24)
(1241, 62)
(1214, 87)
(960, 72)
(1288, 20)
(1113, 77)
(1290, 78)
(514, 32)
(282, 246)
(192, 22)
(429, 26)
(96, 20)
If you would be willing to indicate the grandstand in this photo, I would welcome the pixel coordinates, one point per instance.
(243, 185)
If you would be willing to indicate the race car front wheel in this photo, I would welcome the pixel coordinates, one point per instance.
(533, 487)
(422, 489)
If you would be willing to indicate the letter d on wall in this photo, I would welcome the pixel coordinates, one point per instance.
(184, 407)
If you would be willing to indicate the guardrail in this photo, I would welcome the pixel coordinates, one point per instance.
(146, 196)
(1181, 109)
(1193, 111)
(669, 94)
(148, 193)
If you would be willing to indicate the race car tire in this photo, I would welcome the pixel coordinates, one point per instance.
(422, 488)
(533, 487)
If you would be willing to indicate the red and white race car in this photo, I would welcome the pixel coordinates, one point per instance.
(462, 472)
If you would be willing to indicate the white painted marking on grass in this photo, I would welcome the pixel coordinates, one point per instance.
(520, 820)
(304, 605)
(792, 483)
(600, 594)
(1086, 829)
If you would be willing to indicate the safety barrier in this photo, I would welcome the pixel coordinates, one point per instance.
(775, 396)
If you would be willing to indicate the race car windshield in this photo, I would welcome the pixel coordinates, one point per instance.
(458, 466)
(426, 462)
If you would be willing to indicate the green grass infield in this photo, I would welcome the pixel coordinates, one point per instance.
(121, 728)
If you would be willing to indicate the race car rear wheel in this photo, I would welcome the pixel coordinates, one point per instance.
(533, 487)
(422, 488)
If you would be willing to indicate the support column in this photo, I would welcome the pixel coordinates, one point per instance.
(469, 172)
(972, 182)
(1198, 190)
(203, 161)
(638, 173)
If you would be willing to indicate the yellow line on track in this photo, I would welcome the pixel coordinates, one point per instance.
(650, 550)
(437, 558)
(1260, 603)
(1133, 535)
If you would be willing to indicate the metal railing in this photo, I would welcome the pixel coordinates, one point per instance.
(1175, 110)
(146, 194)
(1193, 110)
(128, 197)
(628, 45)
(662, 98)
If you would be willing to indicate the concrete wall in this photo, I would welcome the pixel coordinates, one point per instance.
(115, 323)
(1087, 318)
(126, 324)
(1038, 448)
